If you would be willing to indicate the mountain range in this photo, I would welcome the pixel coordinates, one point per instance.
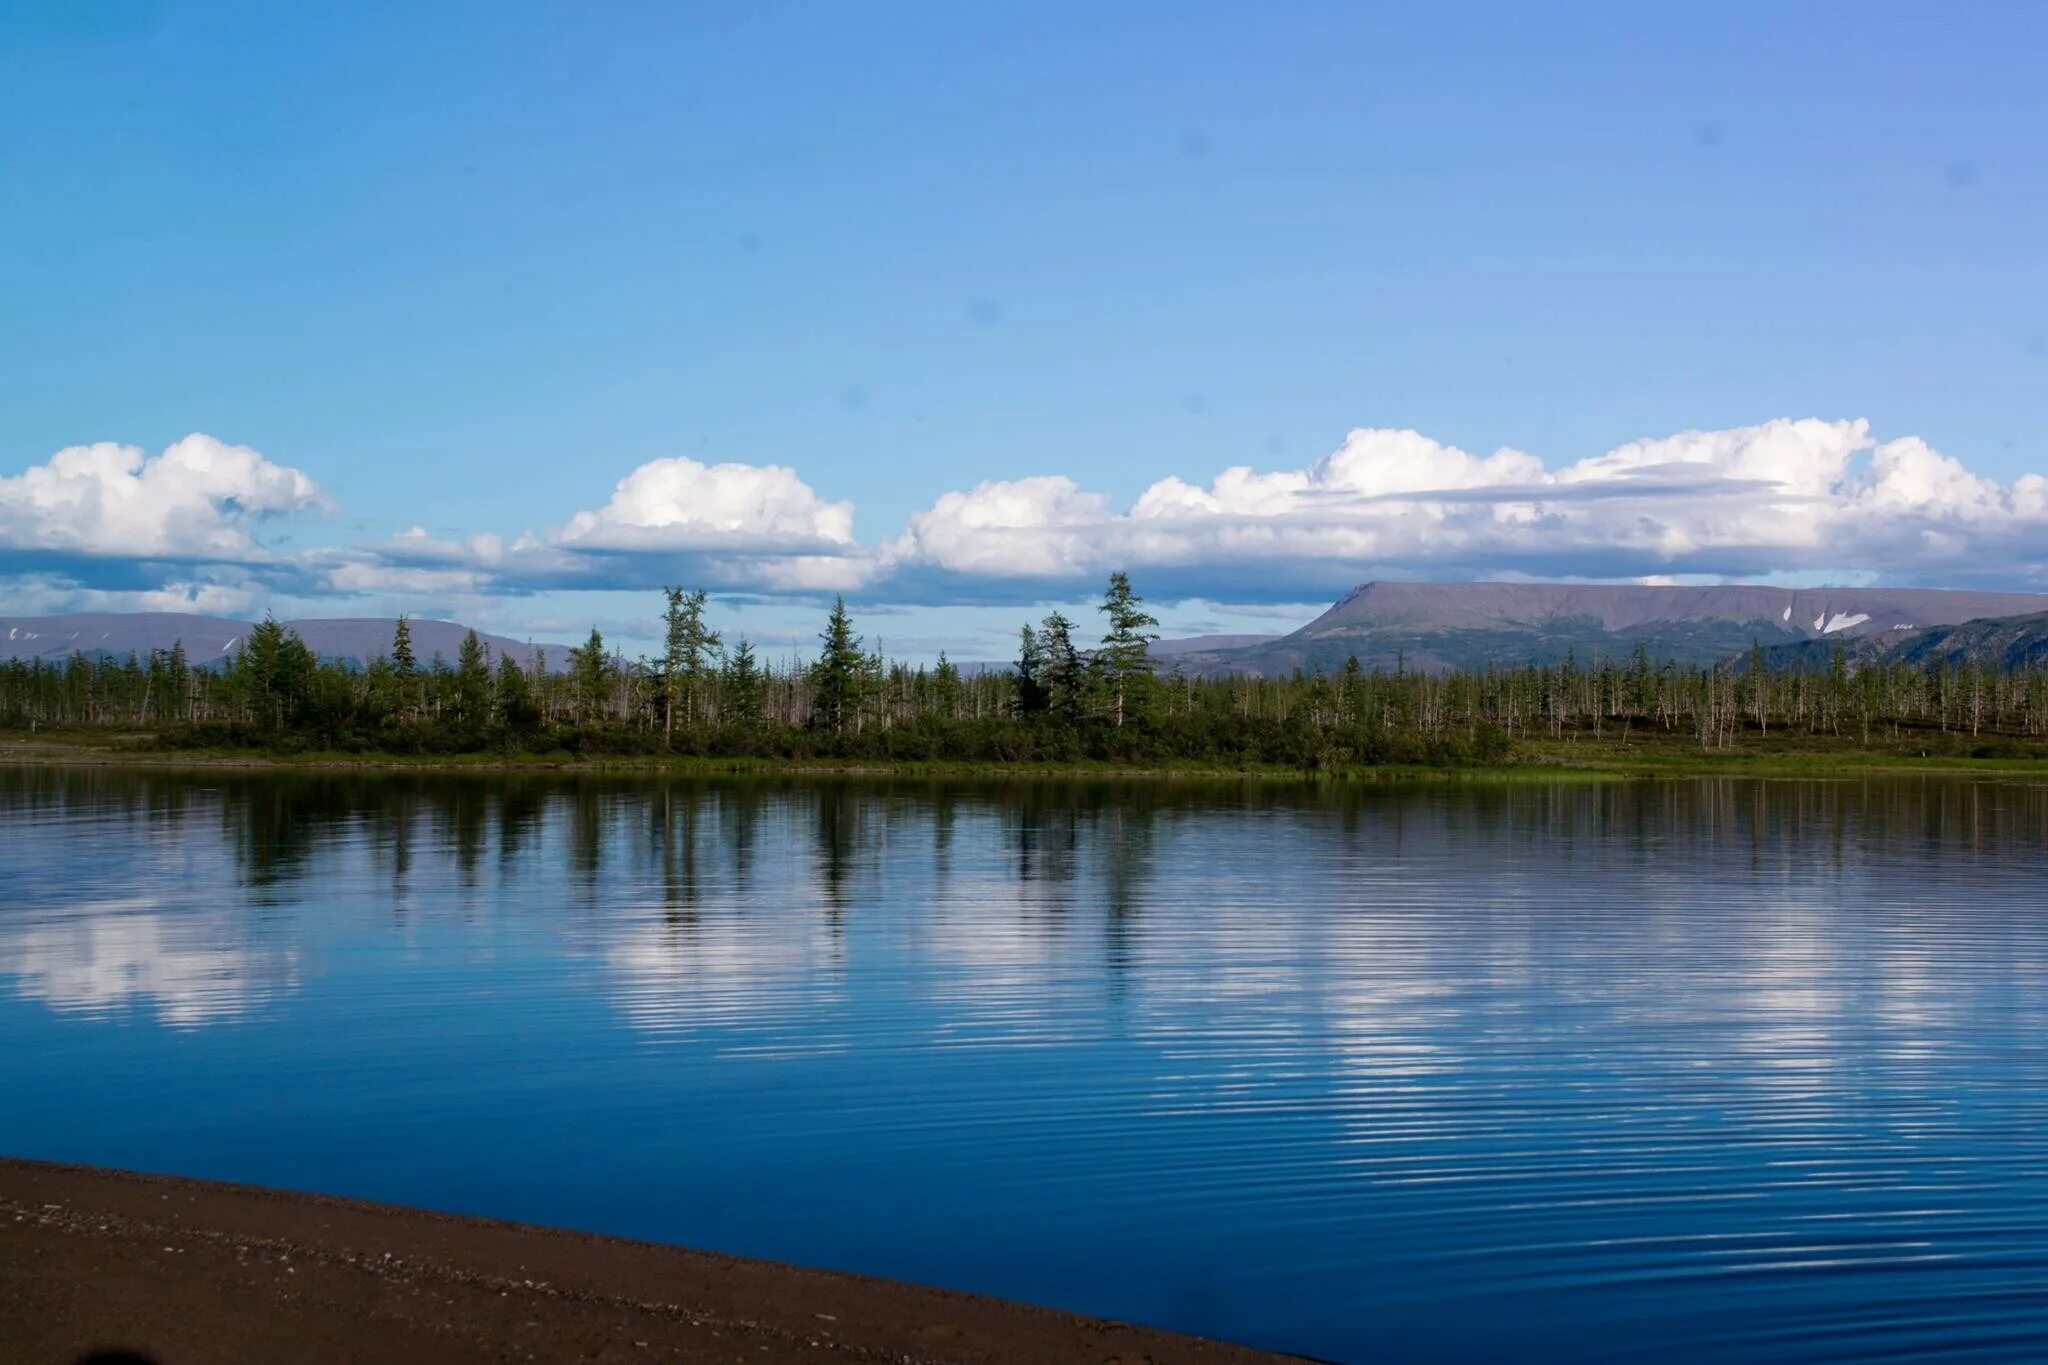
(1426, 627)
(210, 640)
(1434, 627)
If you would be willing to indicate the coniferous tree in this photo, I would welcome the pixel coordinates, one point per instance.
(946, 688)
(1123, 658)
(740, 687)
(1063, 673)
(686, 656)
(514, 699)
(591, 671)
(837, 678)
(271, 685)
(1030, 670)
(1351, 691)
(273, 672)
(401, 649)
(473, 680)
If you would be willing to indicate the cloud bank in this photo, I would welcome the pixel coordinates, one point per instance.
(1784, 497)
(1781, 497)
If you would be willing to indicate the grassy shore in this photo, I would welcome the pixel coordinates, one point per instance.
(1787, 756)
(1642, 756)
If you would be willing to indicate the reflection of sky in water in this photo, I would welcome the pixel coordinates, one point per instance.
(1733, 1069)
(105, 957)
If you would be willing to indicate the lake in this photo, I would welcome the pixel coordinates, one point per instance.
(1719, 1069)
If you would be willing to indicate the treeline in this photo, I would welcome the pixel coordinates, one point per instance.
(1062, 701)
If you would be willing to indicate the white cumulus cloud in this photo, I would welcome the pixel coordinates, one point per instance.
(678, 503)
(198, 500)
(735, 526)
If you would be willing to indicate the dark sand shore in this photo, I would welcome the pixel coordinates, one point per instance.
(186, 1272)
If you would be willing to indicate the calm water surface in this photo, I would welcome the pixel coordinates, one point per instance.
(1722, 1070)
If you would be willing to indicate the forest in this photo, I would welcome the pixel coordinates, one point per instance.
(1063, 701)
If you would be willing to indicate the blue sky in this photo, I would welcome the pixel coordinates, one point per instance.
(467, 268)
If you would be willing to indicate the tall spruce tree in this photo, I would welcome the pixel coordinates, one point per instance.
(473, 680)
(592, 672)
(401, 649)
(946, 688)
(514, 696)
(838, 677)
(740, 686)
(1061, 672)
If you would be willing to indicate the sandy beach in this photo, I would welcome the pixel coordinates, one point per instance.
(186, 1272)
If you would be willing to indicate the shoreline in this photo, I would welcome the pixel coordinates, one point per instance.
(194, 1272)
(1547, 761)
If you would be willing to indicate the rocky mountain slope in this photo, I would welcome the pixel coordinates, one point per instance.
(2000, 641)
(1443, 626)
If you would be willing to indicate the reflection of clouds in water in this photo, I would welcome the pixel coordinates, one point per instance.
(104, 958)
(1010, 964)
(758, 982)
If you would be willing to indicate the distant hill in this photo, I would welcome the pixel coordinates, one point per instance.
(1170, 652)
(2001, 641)
(1435, 627)
(1206, 644)
(211, 640)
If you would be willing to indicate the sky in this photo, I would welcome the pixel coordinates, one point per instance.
(512, 313)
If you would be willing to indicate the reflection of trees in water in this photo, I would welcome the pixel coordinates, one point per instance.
(1044, 832)
(692, 839)
(272, 829)
(463, 814)
(393, 819)
(1123, 837)
(740, 811)
(1063, 837)
(165, 804)
(586, 834)
(836, 831)
(521, 806)
(676, 819)
(943, 809)
(744, 888)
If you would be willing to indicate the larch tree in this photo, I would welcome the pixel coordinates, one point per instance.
(686, 656)
(1123, 659)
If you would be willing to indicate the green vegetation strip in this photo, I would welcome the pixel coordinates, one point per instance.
(704, 706)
